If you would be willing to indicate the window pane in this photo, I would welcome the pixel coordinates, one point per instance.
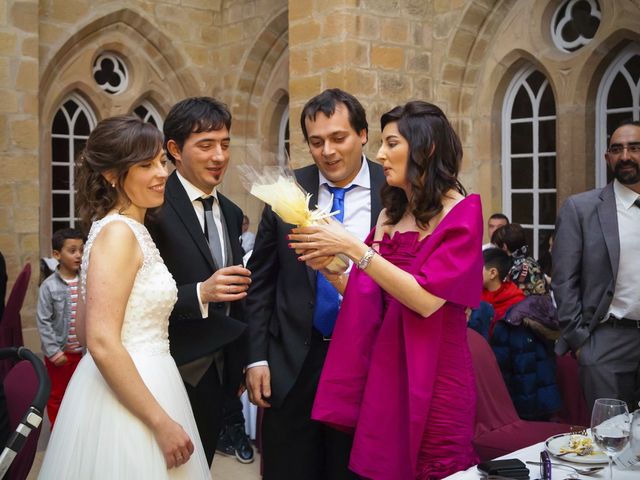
(619, 94)
(522, 207)
(58, 225)
(547, 136)
(60, 204)
(615, 119)
(528, 234)
(140, 111)
(59, 177)
(522, 137)
(547, 103)
(633, 65)
(60, 124)
(535, 81)
(521, 173)
(71, 107)
(547, 208)
(547, 171)
(82, 125)
(78, 145)
(60, 150)
(152, 121)
(522, 105)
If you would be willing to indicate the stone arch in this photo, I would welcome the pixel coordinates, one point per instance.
(157, 69)
(268, 49)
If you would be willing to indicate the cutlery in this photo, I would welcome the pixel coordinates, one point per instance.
(580, 471)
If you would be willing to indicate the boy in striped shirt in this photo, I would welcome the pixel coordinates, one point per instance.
(56, 315)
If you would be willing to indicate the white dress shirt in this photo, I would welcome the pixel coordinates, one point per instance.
(194, 193)
(357, 210)
(626, 296)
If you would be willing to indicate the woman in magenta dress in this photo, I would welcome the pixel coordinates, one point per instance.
(398, 373)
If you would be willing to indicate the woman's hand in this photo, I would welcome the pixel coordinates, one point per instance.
(320, 243)
(174, 442)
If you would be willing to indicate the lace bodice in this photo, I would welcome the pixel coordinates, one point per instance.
(154, 292)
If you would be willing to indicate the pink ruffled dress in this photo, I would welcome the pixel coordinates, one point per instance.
(401, 382)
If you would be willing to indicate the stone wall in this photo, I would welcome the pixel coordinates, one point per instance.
(264, 56)
(19, 132)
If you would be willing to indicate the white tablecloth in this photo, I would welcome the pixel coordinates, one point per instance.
(533, 453)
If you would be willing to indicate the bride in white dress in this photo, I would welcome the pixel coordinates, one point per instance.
(125, 414)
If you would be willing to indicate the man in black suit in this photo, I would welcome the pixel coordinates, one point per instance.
(288, 310)
(197, 232)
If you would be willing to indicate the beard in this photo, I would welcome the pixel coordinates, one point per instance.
(627, 177)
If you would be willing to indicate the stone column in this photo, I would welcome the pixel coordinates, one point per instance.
(19, 177)
(379, 54)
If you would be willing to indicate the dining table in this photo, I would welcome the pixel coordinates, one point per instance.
(532, 453)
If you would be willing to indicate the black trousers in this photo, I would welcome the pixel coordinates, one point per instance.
(206, 401)
(294, 446)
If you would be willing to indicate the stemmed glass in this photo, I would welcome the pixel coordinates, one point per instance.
(610, 425)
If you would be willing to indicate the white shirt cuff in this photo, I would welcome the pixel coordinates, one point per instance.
(204, 307)
(261, 363)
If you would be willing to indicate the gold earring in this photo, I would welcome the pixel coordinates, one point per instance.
(113, 185)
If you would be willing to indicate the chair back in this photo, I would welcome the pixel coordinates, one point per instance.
(11, 325)
(574, 407)
(20, 386)
(494, 408)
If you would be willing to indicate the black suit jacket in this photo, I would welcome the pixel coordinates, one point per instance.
(184, 249)
(281, 298)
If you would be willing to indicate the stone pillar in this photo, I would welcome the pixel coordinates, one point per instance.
(19, 168)
(379, 54)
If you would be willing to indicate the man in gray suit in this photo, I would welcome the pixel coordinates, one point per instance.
(596, 276)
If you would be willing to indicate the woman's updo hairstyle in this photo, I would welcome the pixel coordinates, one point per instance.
(114, 146)
(435, 156)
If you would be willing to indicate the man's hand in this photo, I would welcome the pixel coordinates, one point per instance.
(258, 381)
(61, 360)
(228, 284)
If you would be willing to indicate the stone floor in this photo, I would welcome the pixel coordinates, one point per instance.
(224, 468)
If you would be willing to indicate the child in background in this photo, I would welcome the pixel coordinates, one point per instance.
(497, 289)
(56, 315)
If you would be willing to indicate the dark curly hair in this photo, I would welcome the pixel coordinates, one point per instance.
(115, 144)
(435, 155)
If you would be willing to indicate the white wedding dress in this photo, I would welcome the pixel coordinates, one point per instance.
(95, 436)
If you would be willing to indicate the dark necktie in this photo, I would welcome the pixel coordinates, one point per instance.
(327, 297)
(211, 231)
(637, 202)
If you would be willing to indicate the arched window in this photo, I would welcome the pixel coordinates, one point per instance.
(70, 129)
(529, 155)
(148, 113)
(618, 99)
(283, 138)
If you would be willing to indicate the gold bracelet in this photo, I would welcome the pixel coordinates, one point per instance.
(363, 263)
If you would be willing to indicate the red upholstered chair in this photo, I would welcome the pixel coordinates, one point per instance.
(498, 429)
(11, 325)
(574, 407)
(20, 386)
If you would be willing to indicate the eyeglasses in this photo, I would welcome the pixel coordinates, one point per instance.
(618, 149)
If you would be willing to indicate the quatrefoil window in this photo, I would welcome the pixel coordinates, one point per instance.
(110, 73)
(575, 23)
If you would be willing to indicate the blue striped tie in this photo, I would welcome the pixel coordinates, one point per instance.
(327, 297)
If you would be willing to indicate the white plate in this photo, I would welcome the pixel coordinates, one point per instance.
(555, 443)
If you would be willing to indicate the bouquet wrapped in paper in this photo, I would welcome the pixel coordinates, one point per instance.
(277, 187)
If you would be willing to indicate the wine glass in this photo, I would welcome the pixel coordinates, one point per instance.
(610, 425)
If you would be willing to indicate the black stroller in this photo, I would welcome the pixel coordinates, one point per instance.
(32, 418)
